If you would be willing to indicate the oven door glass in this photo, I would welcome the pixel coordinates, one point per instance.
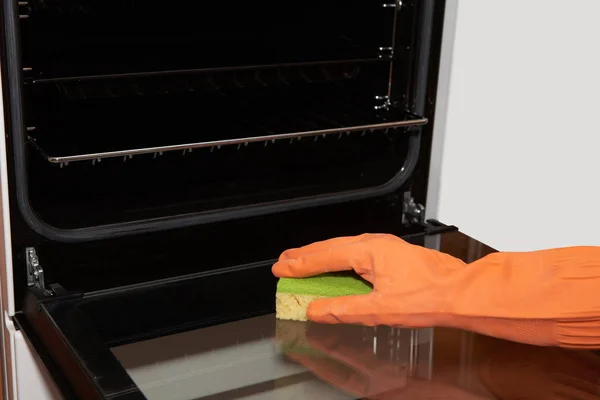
(215, 337)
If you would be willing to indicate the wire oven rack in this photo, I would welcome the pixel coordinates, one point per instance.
(321, 127)
(200, 80)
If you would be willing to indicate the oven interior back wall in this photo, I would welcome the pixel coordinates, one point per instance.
(108, 77)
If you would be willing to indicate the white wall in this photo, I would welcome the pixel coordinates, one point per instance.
(521, 152)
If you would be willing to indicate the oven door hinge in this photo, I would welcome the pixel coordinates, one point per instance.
(412, 212)
(35, 273)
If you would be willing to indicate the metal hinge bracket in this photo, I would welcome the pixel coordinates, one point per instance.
(35, 273)
(412, 212)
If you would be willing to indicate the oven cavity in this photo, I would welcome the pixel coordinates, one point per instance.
(144, 111)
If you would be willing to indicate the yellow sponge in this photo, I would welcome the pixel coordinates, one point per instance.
(295, 294)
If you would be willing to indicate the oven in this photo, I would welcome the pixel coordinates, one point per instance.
(159, 157)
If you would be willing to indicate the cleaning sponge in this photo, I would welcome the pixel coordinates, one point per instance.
(295, 294)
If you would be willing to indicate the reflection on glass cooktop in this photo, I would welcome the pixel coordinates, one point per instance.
(261, 358)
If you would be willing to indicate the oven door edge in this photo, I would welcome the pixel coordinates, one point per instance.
(54, 370)
(62, 339)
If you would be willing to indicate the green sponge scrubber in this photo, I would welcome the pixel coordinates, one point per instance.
(295, 294)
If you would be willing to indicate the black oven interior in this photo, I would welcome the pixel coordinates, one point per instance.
(151, 140)
(138, 112)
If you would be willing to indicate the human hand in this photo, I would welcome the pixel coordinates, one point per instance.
(410, 283)
(545, 298)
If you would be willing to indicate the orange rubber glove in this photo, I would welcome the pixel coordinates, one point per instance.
(549, 298)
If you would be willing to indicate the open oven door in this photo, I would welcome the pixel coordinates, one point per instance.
(211, 335)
